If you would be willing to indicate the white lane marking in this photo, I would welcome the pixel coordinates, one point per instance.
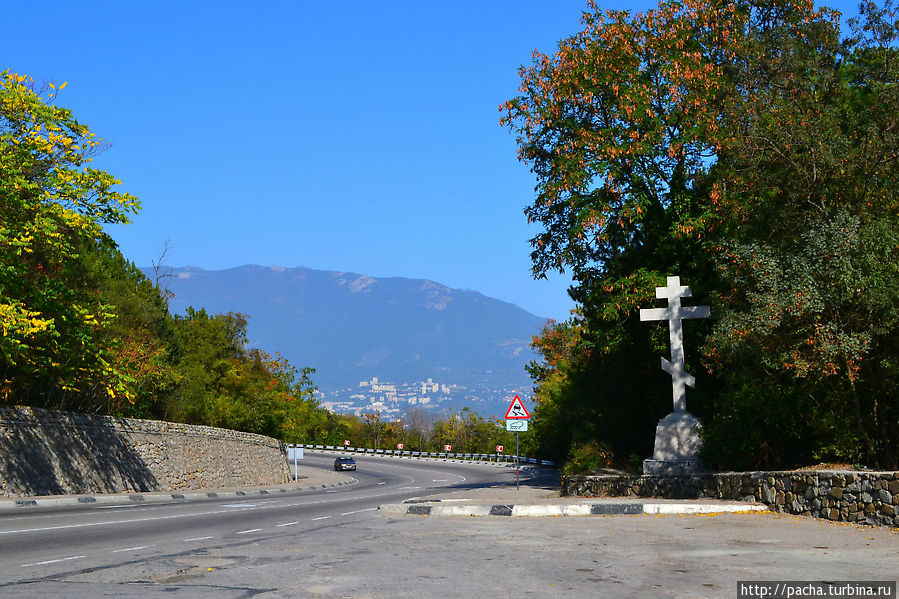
(286, 524)
(232, 505)
(321, 518)
(115, 507)
(371, 509)
(132, 548)
(243, 532)
(196, 539)
(213, 512)
(382, 483)
(440, 480)
(53, 561)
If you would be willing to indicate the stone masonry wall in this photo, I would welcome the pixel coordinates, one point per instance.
(44, 452)
(862, 497)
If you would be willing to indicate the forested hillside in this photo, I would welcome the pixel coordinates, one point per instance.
(351, 327)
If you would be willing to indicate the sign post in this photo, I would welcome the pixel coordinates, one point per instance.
(517, 420)
(297, 455)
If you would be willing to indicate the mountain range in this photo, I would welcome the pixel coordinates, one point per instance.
(352, 327)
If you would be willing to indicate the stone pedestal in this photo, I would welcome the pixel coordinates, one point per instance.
(677, 442)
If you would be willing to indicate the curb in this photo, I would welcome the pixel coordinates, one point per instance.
(597, 509)
(12, 505)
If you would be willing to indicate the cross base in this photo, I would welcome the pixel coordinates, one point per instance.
(661, 467)
(676, 445)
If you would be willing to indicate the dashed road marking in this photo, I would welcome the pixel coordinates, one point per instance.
(286, 524)
(196, 539)
(321, 518)
(132, 548)
(371, 509)
(53, 561)
(243, 532)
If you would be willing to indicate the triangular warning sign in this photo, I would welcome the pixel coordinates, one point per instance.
(517, 411)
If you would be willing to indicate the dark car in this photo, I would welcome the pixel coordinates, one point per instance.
(344, 464)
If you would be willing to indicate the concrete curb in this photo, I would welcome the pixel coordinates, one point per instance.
(583, 509)
(12, 505)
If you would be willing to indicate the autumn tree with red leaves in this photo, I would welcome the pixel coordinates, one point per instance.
(674, 142)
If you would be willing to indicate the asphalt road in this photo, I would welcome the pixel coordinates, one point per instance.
(336, 544)
(43, 544)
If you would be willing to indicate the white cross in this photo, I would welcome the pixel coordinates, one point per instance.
(674, 313)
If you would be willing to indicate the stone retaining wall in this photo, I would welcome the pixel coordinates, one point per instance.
(45, 452)
(863, 497)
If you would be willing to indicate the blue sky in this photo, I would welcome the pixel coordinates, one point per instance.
(359, 136)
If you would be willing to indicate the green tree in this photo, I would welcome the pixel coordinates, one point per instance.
(811, 258)
(53, 208)
(224, 383)
(374, 428)
(728, 143)
(469, 432)
(622, 129)
(418, 428)
(139, 337)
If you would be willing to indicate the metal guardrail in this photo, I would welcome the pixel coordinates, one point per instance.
(405, 453)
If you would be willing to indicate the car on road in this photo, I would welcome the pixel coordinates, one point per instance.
(344, 464)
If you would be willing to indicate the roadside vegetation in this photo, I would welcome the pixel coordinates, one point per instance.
(83, 328)
(752, 149)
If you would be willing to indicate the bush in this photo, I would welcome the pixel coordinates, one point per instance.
(584, 458)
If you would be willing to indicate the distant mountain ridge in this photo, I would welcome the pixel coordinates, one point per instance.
(351, 327)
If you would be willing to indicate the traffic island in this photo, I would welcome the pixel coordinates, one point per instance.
(599, 508)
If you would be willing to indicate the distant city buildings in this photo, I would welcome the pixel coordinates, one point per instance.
(394, 399)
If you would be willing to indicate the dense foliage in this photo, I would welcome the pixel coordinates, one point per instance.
(749, 149)
(83, 329)
(420, 430)
(53, 208)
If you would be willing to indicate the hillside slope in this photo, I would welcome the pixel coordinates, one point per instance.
(351, 327)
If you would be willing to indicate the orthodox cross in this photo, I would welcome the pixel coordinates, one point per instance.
(674, 313)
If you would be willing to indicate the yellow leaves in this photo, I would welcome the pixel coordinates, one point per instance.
(19, 324)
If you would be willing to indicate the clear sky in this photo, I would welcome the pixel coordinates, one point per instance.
(352, 136)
